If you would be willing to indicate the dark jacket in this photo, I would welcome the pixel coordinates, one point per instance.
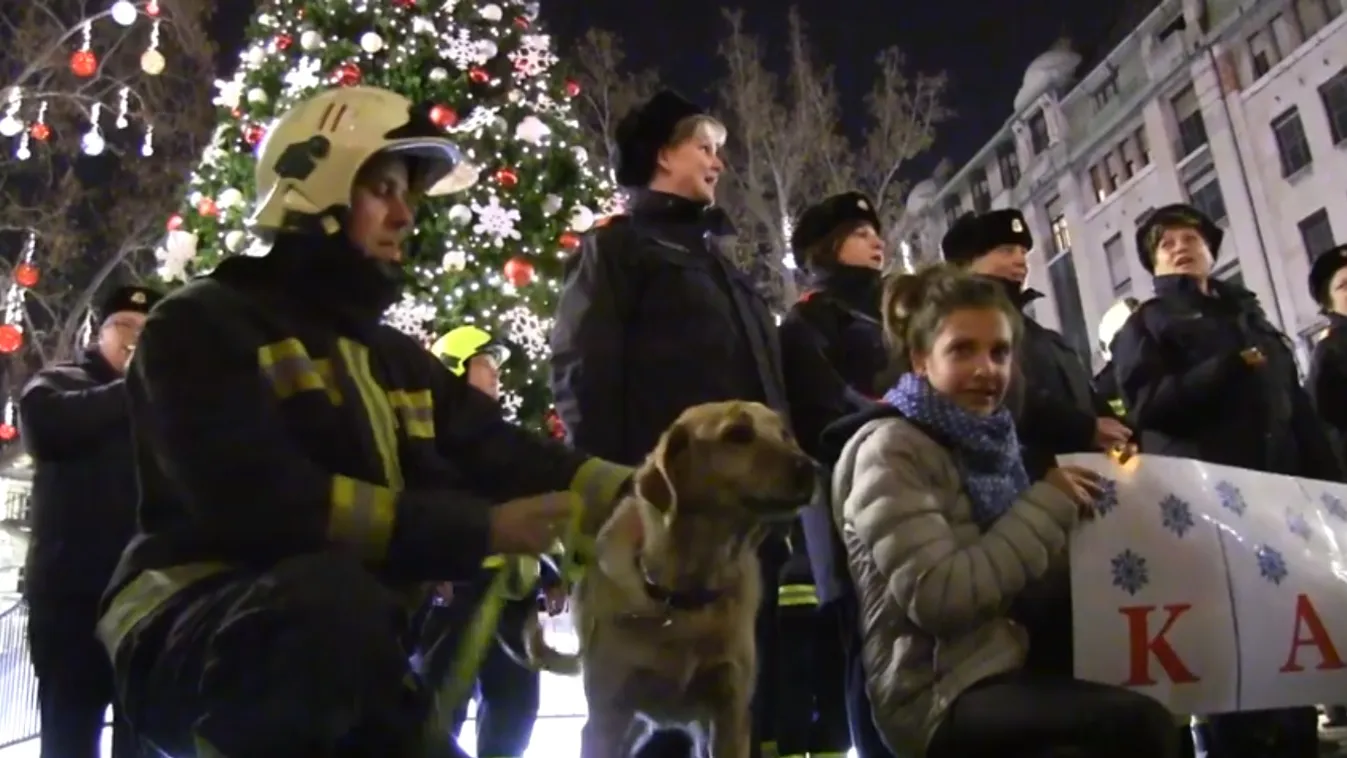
(838, 317)
(76, 425)
(1057, 407)
(1327, 383)
(1191, 395)
(267, 427)
(654, 319)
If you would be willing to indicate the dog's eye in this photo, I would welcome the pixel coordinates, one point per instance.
(739, 433)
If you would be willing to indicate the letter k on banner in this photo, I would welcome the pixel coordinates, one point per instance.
(1212, 589)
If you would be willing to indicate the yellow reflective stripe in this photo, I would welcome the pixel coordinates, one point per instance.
(416, 410)
(204, 749)
(286, 364)
(796, 594)
(324, 368)
(597, 482)
(383, 423)
(362, 516)
(1117, 405)
(143, 595)
(478, 637)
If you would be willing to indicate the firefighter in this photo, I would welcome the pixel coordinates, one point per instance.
(306, 469)
(76, 426)
(508, 693)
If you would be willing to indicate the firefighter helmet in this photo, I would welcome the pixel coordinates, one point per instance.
(1113, 320)
(310, 156)
(456, 347)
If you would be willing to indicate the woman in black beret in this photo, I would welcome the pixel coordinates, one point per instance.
(1327, 383)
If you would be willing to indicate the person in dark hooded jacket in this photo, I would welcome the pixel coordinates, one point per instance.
(76, 424)
(1204, 375)
(1327, 382)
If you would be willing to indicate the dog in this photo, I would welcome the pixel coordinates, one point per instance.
(666, 609)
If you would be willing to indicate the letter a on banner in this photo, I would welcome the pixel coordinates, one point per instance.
(1307, 620)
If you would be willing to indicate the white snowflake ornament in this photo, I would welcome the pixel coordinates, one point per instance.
(534, 56)
(496, 221)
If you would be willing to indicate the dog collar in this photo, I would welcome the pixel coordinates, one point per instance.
(677, 600)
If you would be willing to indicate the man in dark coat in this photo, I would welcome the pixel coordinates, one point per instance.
(76, 424)
(653, 318)
(1204, 375)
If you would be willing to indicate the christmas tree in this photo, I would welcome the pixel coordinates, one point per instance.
(490, 256)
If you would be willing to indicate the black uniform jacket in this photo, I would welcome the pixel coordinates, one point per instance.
(75, 422)
(1327, 383)
(1191, 395)
(1058, 407)
(266, 431)
(839, 318)
(654, 319)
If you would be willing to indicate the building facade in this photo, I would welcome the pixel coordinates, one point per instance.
(1239, 108)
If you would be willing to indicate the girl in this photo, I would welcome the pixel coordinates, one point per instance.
(944, 532)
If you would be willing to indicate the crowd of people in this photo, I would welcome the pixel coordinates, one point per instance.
(263, 518)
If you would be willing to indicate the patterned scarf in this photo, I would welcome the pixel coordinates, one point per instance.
(985, 448)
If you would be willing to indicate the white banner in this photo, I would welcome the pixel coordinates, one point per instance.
(1211, 588)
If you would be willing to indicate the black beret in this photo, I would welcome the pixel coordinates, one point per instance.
(127, 299)
(821, 219)
(971, 236)
(1325, 265)
(644, 131)
(1177, 215)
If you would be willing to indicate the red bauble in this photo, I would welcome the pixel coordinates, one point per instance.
(284, 41)
(479, 75)
(519, 271)
(572, 88)
(8, 432)
(348, 74)
(554, 425)
(207, 207)
(507, 177)
(405, 3)
(27, 275)
(443, 116)
(253, 134)
(570, 240)
(174, 223)
(83, 63)
(11, 338)
(152, 9)
(521, 22)
(40, 131)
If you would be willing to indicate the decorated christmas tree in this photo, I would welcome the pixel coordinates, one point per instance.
(491, 256)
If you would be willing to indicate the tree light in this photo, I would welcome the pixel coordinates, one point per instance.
(93, 143)
(124, 13)
(10, 126)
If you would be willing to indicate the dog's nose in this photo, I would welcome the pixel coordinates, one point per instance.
(806, 473)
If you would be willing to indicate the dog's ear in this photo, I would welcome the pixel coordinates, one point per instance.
(653, 483)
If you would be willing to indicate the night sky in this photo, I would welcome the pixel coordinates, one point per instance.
(983, 47)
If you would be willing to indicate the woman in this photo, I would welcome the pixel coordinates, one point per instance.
(1328, 366)
(944, 530)
(1204, 375)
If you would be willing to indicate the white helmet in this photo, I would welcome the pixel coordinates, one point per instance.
(1112, 321)
(308, 161)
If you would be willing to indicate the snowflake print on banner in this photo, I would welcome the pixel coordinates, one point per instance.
(1334, 506)
(1176, 515)
(1297, 524)
(1231, 498)
(1130, 573)
(1271, 564)
(1108, 497)
(534, 55)
(496, 220)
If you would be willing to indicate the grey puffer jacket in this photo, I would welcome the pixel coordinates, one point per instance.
(933, 589)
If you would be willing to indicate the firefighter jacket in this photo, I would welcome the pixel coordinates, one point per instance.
(1190, 393)
(76, 425)
(839, 317)
(268, 428)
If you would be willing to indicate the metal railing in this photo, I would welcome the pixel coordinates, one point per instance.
(18, 685)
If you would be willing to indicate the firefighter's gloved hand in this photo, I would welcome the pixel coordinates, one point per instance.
(530, 525)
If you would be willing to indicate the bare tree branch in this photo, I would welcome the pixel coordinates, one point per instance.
(93, 216)
(608, 90)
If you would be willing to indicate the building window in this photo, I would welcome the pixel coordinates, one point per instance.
(1100, 181)
(1038, 132)
(1292, 147)
(953, 208)
(1119, 273)
(1070, 312)
(1188, 115)
(981, 191)
(1009, 162)
(1143, 145)
(1061, 234)
(1314, 15)
(1107, 91)
(1204, 192)
(1316, 233)
(1334, 94)
(1263, 50)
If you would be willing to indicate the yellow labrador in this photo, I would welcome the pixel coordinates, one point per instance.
(666, 612)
